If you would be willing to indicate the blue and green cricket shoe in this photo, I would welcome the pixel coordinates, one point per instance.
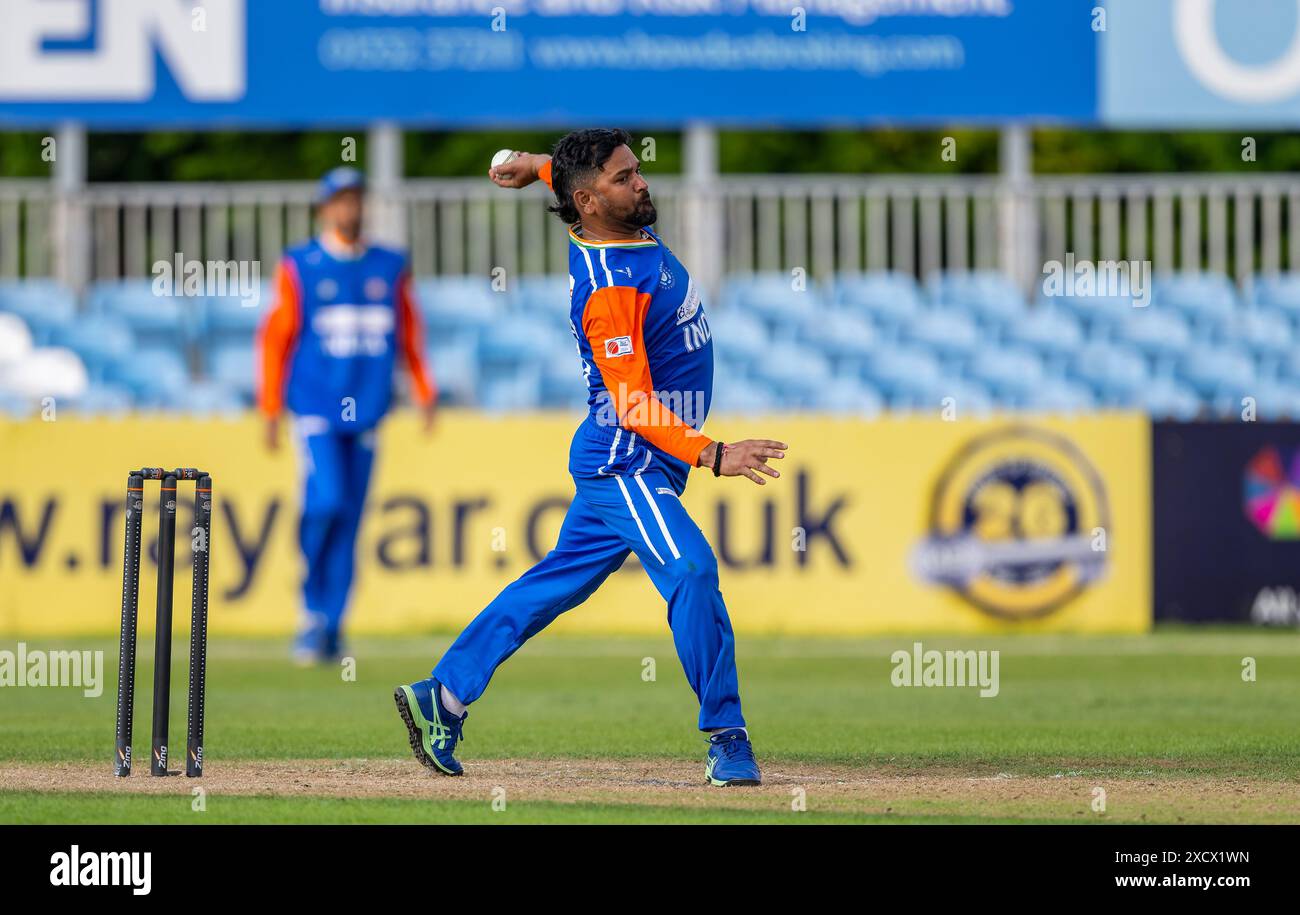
(434, 731)
(731, 760)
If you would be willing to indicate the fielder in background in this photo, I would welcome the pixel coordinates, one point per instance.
(647, 359)
(343, 316)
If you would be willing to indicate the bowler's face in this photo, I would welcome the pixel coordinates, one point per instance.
(622, 190)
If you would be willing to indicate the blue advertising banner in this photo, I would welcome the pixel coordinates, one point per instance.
(457, 63)
(1201, 63)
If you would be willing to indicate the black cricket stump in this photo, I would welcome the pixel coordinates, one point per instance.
(200, 541)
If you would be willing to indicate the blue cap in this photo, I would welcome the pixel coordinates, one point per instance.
(338, 180)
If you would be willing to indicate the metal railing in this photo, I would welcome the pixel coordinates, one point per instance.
(1238, 225)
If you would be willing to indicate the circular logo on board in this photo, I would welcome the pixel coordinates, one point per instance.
(1017, 524)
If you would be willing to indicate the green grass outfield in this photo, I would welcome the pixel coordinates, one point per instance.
(1164, 723)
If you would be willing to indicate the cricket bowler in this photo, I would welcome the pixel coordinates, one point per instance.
(644, 342)
(343, 316)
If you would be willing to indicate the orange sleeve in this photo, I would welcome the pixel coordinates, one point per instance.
(613, 321)
(277, 337)
(545, 173)
(410, 334)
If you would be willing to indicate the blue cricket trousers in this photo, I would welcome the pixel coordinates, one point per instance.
(609, 517)
(337, 468)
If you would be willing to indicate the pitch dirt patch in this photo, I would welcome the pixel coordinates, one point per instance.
(866, 791)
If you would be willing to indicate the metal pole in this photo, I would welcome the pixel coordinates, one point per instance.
(701, 209)
(1017, 239)
(385, 164)
(71, 215)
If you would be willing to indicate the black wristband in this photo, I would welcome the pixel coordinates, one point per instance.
(717, 459)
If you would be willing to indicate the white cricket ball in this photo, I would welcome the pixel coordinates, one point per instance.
(503, 156)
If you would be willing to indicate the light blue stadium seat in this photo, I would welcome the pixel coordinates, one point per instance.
(44, 306)
(16, 406)
(1160, 334)
(1061, 396)
(154, 320)
(740, 394)
(1266, 333)
(229, 319)
(795, 373)
(102, 399)
(848, 396)
(950, 333)
(1205, 298)
(451, 304)
(546, 295)
(521, 338)
(1166, 398)
(772, 298)
(899, 371)
(100, 341)
(563, 384)
(1278, 292)
(512, 391)
(1101, 315)
(945, 395)
(151, 374)
(887, 298)
(234, 367)
(1010, 374)
(840, 335)
(738, 336)
(1117, 373)
(1052, 333)
(1273, 400)
(207, 398)
(990, 296)
(1212, 370)
(454, 365)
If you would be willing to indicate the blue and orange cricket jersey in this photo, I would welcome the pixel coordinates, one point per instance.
(647, 357)
(336, 330)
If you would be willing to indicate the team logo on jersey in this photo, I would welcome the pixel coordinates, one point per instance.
(624, 270)
(665, 277)
(690, 305)
(618, 346)
(327, 289)
(376, 288)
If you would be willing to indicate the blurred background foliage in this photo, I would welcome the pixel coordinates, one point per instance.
(245, 156)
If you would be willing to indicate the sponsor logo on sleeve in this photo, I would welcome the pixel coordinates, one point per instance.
(618, 346)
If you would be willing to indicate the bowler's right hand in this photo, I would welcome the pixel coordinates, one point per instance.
(518, 172)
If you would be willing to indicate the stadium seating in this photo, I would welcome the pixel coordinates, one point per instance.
(855, 344)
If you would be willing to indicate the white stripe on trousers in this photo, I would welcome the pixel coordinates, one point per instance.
(613, 446)
(627, 497)
(663, 528)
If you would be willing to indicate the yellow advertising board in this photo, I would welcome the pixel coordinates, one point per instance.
(895, 525)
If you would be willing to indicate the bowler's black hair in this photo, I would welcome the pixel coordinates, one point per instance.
(576, 160)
